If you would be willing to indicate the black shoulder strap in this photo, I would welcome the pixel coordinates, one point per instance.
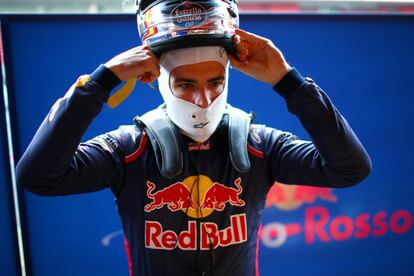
(164, 139)
(239, 125)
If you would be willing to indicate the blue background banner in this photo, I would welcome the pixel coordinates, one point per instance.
(363, 62)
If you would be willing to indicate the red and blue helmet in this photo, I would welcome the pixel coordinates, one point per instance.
(164, 25)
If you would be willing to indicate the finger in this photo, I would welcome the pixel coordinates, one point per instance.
(242, 57)
(246, 35)
(156, 70)
(151, 54)
(147, 78)
(236, 39)
(135, 50)
(242, 49)
(240, 65)
(149, 51)
(152, 69)
(154, 77)
(154, 64)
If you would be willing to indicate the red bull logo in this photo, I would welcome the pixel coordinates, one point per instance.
(176, 197)
(319, 225)
(198, 197)
(210, 236)
(218, 195)
(289, 197)
(185, 195)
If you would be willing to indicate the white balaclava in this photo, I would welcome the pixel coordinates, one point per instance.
(196, 122)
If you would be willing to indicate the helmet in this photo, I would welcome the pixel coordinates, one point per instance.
(164, 25)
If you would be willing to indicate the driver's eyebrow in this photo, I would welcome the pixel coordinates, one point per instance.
(183, 80)
(219, 78)
(180, 80)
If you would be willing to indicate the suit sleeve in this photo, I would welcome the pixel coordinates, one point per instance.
(333, 158)
(55, 162)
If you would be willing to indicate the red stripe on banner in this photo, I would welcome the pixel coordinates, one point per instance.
(128, 251)
(255, 152)
(293, 229)
(133, 156)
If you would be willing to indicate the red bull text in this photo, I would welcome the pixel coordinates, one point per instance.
(184, 196)
(158, 238)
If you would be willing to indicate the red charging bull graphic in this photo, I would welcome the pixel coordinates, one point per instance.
(176, 197)
(319, 225)
(198, 197)
(218, 195)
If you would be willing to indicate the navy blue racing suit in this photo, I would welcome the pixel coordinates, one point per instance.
(206, 220)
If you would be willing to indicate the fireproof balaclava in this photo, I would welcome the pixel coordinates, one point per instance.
(196, 122)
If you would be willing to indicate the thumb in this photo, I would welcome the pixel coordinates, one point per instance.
(147, 77)
(240, 65)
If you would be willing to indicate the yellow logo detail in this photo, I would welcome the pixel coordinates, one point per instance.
(198, 186)
(82, 80)
(291, 197)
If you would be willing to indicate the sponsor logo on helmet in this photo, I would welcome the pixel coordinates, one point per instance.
(188, 14)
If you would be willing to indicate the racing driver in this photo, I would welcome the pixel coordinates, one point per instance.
(190, 177)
